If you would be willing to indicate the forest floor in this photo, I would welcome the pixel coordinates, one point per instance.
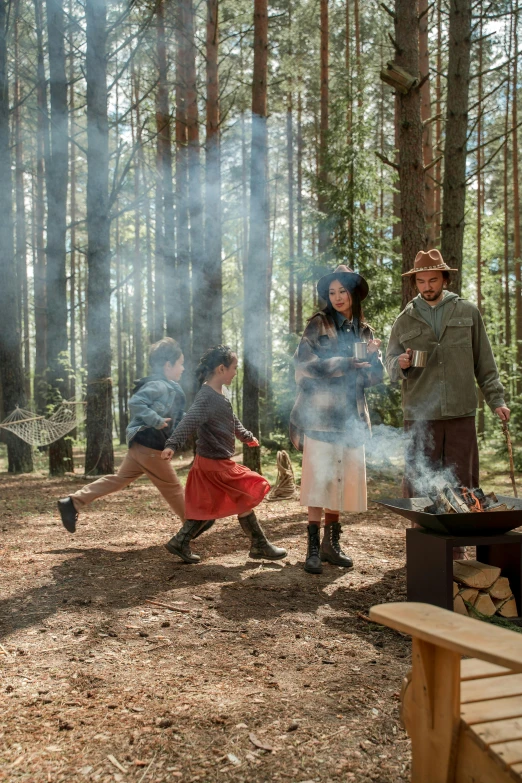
(257, 672)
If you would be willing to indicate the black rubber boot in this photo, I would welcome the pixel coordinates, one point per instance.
(260, 548)
(180, 543)
(331, 551)
(208, 524)
(68, 514)
(313, 561)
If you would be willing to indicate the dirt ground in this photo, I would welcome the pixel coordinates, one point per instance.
(257, 671)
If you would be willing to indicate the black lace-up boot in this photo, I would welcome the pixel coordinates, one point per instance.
(68, 514)
(313, 561)
(261, 548)
(180, 543)
(208, 524)
(331, 551)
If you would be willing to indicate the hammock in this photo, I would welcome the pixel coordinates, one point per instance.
(284, 488)
(39, 431)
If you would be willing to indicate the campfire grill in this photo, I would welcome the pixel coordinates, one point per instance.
(486, 523)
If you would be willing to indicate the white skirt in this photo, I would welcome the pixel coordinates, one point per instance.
(333, 476)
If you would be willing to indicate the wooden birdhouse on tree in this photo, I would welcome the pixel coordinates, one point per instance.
(398, 78)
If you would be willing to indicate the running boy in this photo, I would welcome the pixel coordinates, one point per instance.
(156, 407)
(216, 486)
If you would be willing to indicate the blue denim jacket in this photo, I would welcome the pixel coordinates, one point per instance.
(154, 399)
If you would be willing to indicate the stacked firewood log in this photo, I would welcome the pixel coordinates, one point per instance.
(482, 586)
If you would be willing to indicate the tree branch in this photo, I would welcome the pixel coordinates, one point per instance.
(433, 163)
(387, 161)
(389, 11)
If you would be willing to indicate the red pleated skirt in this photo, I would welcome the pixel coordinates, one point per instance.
(218, 488)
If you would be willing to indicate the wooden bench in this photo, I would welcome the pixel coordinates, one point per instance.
(464, 717)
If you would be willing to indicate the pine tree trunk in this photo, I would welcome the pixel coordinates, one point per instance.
(507, 270)
(137, 299)
(256, 271)
(480, 300)
(40, 297)
(299, 291)
(163, 125)
(72, 203)
(99, 457)
(181, 326)
(324, 228)
(438, 130)
(200, 282)
(455, 147)
(427, 140)
(291, 237)
(57, 171)
(213, 209)
(411, 169)
(516, 208)
(19, 456)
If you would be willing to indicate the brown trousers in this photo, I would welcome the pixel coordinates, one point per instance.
(446, 443)
(138, 461)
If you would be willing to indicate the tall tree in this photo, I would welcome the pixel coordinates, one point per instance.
(424, 68)
(324, 230)
(42, 153)
(455, 146)
(200, 283)
(411, 167)
(99, 457)
(516, 205)
(213, 282)
(256, 270)
(11, 369)
(57, 174)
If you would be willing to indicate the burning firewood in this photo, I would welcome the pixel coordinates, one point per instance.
(463, 500)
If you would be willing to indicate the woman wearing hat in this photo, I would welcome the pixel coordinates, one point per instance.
(330, 419)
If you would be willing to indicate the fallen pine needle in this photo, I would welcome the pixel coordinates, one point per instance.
(7, 654)
(147, 770)
(114, 761)
(167, 606)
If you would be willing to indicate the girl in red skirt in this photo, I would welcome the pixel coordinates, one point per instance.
(216, 486)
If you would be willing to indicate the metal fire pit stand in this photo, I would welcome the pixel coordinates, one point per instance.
(429, 563)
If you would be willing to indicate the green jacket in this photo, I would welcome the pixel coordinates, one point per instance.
(445, 388)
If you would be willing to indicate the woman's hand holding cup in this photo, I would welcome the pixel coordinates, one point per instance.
(374, 345)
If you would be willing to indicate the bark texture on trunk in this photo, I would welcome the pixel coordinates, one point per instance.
(40, 297)
(57, 171)
(19, 454)
(455, 148)
(411, 167)
(324, 229)
(213, 210)
(99, 457)
(256, 270)
(427, 138)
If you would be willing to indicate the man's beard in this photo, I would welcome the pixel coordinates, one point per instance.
(431, 295)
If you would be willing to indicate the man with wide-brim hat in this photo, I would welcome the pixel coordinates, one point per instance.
(439, 401)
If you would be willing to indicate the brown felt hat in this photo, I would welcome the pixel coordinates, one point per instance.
(427, 261)
(352, 280)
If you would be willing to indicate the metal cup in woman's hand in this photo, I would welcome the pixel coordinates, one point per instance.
(419, 358)
(360, 351)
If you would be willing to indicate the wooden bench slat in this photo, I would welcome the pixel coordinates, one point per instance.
(509, 752)
(453, 632)
(474, 669)
(492, 688)
(517, 768)
(496, 709)
(499, 730)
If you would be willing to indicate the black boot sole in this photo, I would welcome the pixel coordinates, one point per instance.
(326, 559)
(313, 569)
(267, 557)
(179, 553)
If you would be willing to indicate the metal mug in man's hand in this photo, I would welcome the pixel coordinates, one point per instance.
(419, 359)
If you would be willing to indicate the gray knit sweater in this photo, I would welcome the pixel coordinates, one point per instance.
(212, 417)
